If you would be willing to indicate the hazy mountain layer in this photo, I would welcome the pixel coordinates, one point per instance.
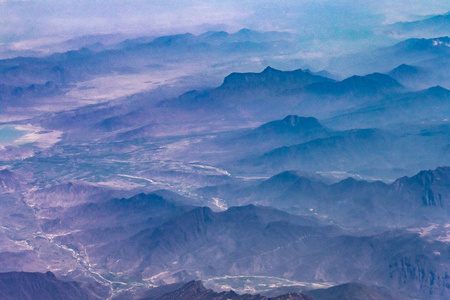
(354, 203)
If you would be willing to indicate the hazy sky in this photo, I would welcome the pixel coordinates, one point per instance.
(47, 19)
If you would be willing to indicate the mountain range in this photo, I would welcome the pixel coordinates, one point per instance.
(429, 27)
(352, 203)
(167, 243)
(429, 53)
(215, 165)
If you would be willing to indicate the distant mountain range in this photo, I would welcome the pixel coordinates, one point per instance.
(431, 53)
(247, 88)
(266, 94)
(290, 130)
(357, 86)
(430, 27)
(303, 143)
(425, 106)
(287, 83)
(357, 101)
(353, 203)
(347, 150)
(136, 55)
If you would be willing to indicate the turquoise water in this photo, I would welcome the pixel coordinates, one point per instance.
(9, 134)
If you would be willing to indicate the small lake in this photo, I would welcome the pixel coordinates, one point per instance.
(8, 134)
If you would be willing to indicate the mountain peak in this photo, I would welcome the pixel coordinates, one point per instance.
(436, 91)
(214, 34)
(270, 79)
(269, 69)
(405, 67)
(196, 285)
(383, 79)
(406, 71)
(291, 124)
(426, 178)
(438, 88)
(370, 84)
(244, 31)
